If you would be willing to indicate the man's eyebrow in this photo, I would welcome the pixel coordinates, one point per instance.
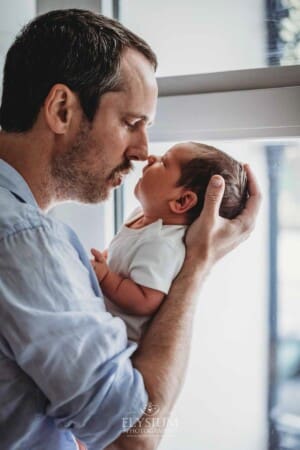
(142, 117)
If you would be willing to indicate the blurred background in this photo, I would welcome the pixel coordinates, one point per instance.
(229, 76)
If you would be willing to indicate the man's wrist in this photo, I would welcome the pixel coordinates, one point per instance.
(197, 264)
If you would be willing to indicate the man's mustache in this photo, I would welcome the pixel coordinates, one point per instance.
(123, 168)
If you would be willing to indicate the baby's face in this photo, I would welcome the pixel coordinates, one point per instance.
(160, 176)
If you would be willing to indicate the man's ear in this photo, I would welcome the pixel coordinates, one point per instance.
(182, 204)
(59, 107)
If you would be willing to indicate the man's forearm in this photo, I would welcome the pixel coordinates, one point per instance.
(163, 354)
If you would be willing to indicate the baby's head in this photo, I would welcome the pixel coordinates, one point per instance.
(173, 185)
(205, 162)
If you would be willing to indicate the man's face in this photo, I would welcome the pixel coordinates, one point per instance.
(158, 185)
(101, 152)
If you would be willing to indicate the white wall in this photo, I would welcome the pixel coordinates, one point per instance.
(13, 15)
(196, 36)
(87, 221)
(47, 5)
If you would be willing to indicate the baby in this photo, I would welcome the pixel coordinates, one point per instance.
(146, 255)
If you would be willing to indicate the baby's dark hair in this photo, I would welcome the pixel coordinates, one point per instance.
(195, 175)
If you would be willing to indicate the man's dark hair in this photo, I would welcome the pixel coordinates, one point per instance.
(195, 175)
(75, 47)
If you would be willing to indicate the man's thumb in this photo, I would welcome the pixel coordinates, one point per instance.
(214, 194)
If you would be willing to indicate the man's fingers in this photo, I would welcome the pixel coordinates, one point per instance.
(253, 189)
(213, 196)
(250, 211)
(245, 221)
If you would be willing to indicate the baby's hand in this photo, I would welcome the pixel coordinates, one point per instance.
(105, 254)
(99, 264)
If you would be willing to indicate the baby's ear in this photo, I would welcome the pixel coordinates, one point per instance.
(182, 204)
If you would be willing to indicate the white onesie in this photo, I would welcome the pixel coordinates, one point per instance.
(151, 256)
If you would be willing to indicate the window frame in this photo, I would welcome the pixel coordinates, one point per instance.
(264, 103)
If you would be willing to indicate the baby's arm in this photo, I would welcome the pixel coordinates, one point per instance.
(125, 293)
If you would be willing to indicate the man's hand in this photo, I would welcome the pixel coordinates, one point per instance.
(210, 237)
(99, 264)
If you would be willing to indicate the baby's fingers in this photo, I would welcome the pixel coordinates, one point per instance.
(97, 255)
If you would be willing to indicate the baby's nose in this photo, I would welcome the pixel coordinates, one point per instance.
(151, 159)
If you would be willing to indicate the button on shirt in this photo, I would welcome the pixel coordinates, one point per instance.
(65, 367)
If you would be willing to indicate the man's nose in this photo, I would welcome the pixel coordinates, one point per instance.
(138, 148)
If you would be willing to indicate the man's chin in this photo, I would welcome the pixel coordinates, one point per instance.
(94, 197)
(98, 197)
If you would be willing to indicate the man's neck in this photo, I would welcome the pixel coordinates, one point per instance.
(18, 150)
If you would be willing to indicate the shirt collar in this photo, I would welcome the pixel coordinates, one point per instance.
(13, 181)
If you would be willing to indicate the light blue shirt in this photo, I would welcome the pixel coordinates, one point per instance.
(65, 367)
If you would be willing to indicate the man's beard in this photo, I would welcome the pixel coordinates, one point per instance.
(73, 177)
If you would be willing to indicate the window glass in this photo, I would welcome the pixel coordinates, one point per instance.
(226, 388)
(225, 393)
(289, 242)
(287, 411)
(197, 37)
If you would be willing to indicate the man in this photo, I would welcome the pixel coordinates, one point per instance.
(79, 92)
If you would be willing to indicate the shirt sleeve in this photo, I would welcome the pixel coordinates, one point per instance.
(61, 337)
(156, 263)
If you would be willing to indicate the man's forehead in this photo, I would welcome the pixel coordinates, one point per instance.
(133, 60)
(137, 72)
